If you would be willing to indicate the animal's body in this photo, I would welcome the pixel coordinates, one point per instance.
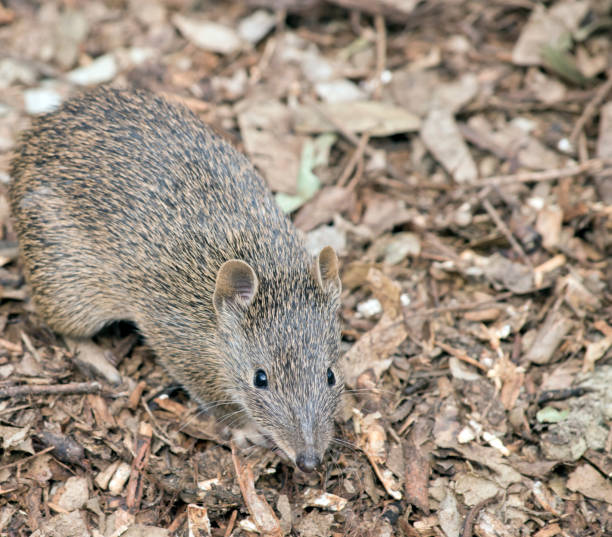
(129, 208)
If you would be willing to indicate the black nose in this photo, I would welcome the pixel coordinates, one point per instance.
(308, 461)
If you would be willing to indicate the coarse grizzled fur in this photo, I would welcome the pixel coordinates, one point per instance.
(126, 208)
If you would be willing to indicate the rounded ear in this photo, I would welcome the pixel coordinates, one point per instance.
(326, 271)
(236, 284)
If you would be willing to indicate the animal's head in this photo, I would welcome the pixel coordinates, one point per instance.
(279, 336)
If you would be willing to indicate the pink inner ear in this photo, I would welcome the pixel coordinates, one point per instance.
(244, 289)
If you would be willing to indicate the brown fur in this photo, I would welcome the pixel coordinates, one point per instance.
(127, 207)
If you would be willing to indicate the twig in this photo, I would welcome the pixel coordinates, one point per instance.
(357, 175)
(468, 523)
(50, 389)
(461, 356)
(27, 459)
(501, 225)
(355, 157)
(230, 524)
(142, 449)
(29, 345)
(381, 54)
(461, 307)
(591, 108)
(156, 427)
(10, 346)
(591, 166)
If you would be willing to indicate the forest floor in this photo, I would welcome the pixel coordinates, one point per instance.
(458, 156)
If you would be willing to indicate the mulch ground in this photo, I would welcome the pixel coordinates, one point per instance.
(458, 156)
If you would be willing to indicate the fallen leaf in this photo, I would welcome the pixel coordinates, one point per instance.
(451, 520)
(443, 139)
(262, 514)
(374, 117)
(373, 348)
(547, 27)
(588, 481)
(549, 337)
(323, 500)
(416, 479)
(208, 35)
(314, 153)
(321, 209)
(266, 132)
(197, 518)
(73, 494)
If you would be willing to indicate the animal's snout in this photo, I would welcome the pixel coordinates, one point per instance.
(307, 461)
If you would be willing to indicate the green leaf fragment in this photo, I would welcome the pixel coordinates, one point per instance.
(551, 415)
(314, 153)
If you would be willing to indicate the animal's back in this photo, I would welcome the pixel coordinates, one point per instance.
(120, 193)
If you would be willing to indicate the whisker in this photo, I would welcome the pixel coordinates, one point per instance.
(374, 390)
(346, 443)
(187, 420)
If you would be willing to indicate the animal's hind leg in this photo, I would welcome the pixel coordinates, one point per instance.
(78, 311)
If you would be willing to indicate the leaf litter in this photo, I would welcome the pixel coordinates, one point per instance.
(458, 157)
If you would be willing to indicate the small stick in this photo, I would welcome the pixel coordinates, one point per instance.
(381, 54)
(591, 108)
(230, 524)
(10, 346)
(50, 389)
(461, 307)
(468, 523)
(591, 166)
(355, 157)
(27, 459)
(28, 343)
(461, 355)
(506, 231)
(357, 175)
(142, 448)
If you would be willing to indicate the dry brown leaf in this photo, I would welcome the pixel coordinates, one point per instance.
(550, 530)
(265, 127)
(510, 377)
(321, 209)
(383, 212)
(450, 518)
(373, 349)
(374, 117)
(197, 518)
(546, 27)
(323, 500)
(104, 418)
(545, 497)
(554, 329)
(262, 514)
(70, 524)
(594, 351)
(73, 494)
(416, 480)
(548, 225)
(208, 35)
(588, 481)
(443, 138)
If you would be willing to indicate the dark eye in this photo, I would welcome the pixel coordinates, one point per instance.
(260, 380)
(331, 378)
